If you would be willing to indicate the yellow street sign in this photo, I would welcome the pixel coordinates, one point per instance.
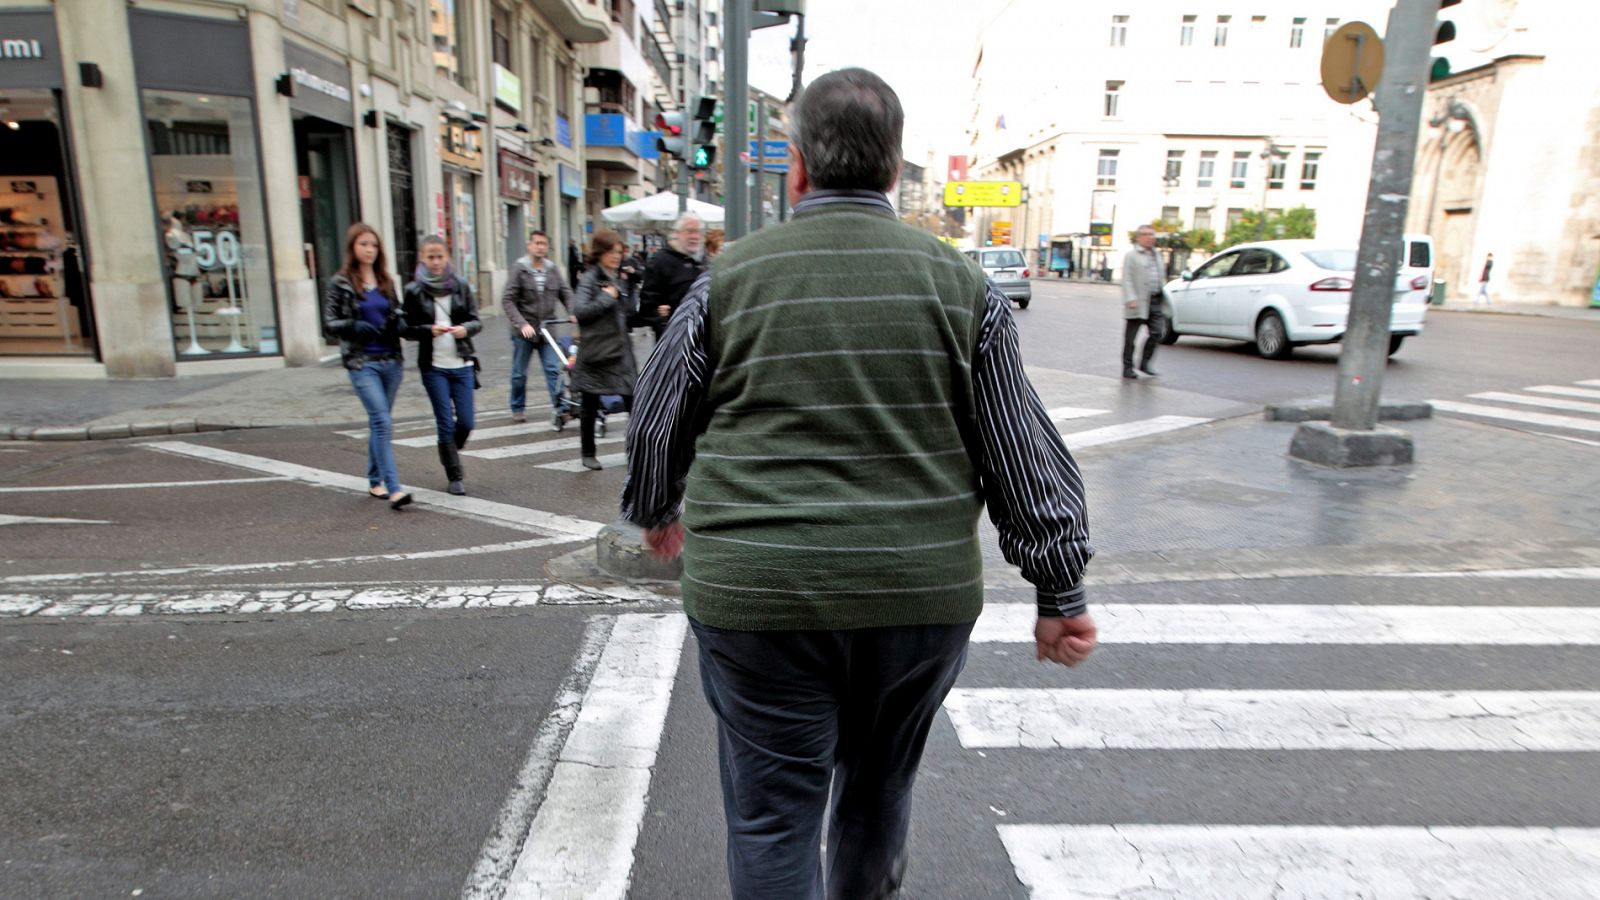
(1352, 61)
(983, 193)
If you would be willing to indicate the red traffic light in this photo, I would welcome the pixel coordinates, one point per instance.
(670, 123)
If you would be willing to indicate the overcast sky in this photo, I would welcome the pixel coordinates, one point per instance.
(925, 49)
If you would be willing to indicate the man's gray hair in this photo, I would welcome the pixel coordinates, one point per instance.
(687, 218)
(847, 126)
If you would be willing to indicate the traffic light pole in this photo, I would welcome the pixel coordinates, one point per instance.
(1354, 438)
(735, 121)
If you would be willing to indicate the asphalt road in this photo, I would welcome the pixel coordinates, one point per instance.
(381, 752)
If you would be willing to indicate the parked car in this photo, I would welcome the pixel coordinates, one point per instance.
(1008, 269)
(1284, 294)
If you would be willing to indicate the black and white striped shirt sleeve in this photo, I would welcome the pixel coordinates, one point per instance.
(1031, 485)
(666, 419)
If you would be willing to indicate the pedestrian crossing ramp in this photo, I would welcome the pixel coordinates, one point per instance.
(1567, 411)
(1233, 859)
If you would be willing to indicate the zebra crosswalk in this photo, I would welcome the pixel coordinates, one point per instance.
(529, 441)
(1070, 852)
(1567, 411)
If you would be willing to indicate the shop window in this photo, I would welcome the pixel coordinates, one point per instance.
(206, 174)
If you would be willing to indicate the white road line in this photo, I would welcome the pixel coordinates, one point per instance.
(1241, 623)
(504, 514)
(1230, 862)
(1111, 434)
(1102, 719)
(1517, 415)
(1563, 391)
(1569, 438)
(576, 465)
(481, 434)
(1572, 573)
(356, 597)
(278, 565)
(1593, 382)
(426, 424)
(1546, 402)
(500, 850)
(138, 485)
(1063, 413)
(41, 520)
(582, 841)
(558, 445)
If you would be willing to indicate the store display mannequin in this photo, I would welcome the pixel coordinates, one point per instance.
(185, 275)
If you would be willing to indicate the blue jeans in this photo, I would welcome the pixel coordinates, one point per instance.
(522, 351)
(376, 383)
(450, 392)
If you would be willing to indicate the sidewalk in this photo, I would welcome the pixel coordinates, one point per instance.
(1551, 310)
(73, 409)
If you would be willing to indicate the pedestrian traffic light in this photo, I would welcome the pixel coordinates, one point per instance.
(672, 140)
(702, 133)
(1444, 33)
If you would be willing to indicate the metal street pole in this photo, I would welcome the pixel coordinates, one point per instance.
(1407, 43)
(759, 158)
(735, 121)
(680, 25)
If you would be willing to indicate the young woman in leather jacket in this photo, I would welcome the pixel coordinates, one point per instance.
(604, 303)
(441, 315)
(362, 309)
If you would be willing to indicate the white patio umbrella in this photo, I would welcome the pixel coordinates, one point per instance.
(658, 210)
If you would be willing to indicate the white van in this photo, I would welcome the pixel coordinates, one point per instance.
(1416, 264)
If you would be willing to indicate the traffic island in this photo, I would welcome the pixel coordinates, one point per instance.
(617, 569)
(1326, 445)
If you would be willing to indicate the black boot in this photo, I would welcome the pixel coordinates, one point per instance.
(451, 460)
(461, 437)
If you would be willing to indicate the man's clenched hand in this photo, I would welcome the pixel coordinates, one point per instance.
(666, 542)
(1065, 641)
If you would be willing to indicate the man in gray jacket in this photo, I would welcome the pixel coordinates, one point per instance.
(535, 286)
(1142, 304)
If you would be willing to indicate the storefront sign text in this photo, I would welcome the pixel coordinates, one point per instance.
(12, 48)
(320, 85)
(517, 176)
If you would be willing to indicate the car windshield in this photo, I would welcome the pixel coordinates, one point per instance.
(1002, 259)
(1333, 260)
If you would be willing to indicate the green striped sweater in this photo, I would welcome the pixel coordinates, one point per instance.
(834, 485)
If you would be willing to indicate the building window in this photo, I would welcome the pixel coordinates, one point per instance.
(1329, 28)
(1169, 214)
(1113, 92)
(1186, 32)
(1119, 31)
(447, 28)
(1174, 172)
(1202, 217)
(1220, 38)
(1277, 170)
(1208, 168)
(1235, 216)
(1258, 26)
(500, 37)
(1308, 170)
(1297, 32)
(206, 172)
(1241, 169)
(1106, 174)
(562, 88)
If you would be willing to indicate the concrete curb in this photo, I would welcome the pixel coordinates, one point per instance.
(107, 432)
(1322, 411)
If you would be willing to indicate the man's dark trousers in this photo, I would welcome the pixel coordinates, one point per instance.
(797, 710)
(1156, 324)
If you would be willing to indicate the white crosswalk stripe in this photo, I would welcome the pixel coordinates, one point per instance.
(1213, 862)
(1105, 857)
(1574, 409)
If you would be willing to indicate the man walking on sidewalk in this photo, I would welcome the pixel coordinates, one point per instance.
(1483, 280)
(832, 405)
(535, 286)
(1142, 302)
(671, 271)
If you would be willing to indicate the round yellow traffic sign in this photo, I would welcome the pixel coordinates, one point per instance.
(1352, 62)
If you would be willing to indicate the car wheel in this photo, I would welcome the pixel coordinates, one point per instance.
(1169, 336)
(1395, 340)
(1023, 303)
(1272, 339)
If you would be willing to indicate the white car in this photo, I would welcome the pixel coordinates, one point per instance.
(1009, 271)
(1282, 294)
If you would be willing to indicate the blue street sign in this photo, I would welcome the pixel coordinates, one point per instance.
(777, 155)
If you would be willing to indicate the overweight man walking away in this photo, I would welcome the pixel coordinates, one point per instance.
(830, 409)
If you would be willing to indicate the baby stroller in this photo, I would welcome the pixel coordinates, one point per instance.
(566, 347)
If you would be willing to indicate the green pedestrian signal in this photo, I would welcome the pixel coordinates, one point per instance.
(703, 157)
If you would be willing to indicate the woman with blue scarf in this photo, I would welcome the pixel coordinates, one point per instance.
(441, 316)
